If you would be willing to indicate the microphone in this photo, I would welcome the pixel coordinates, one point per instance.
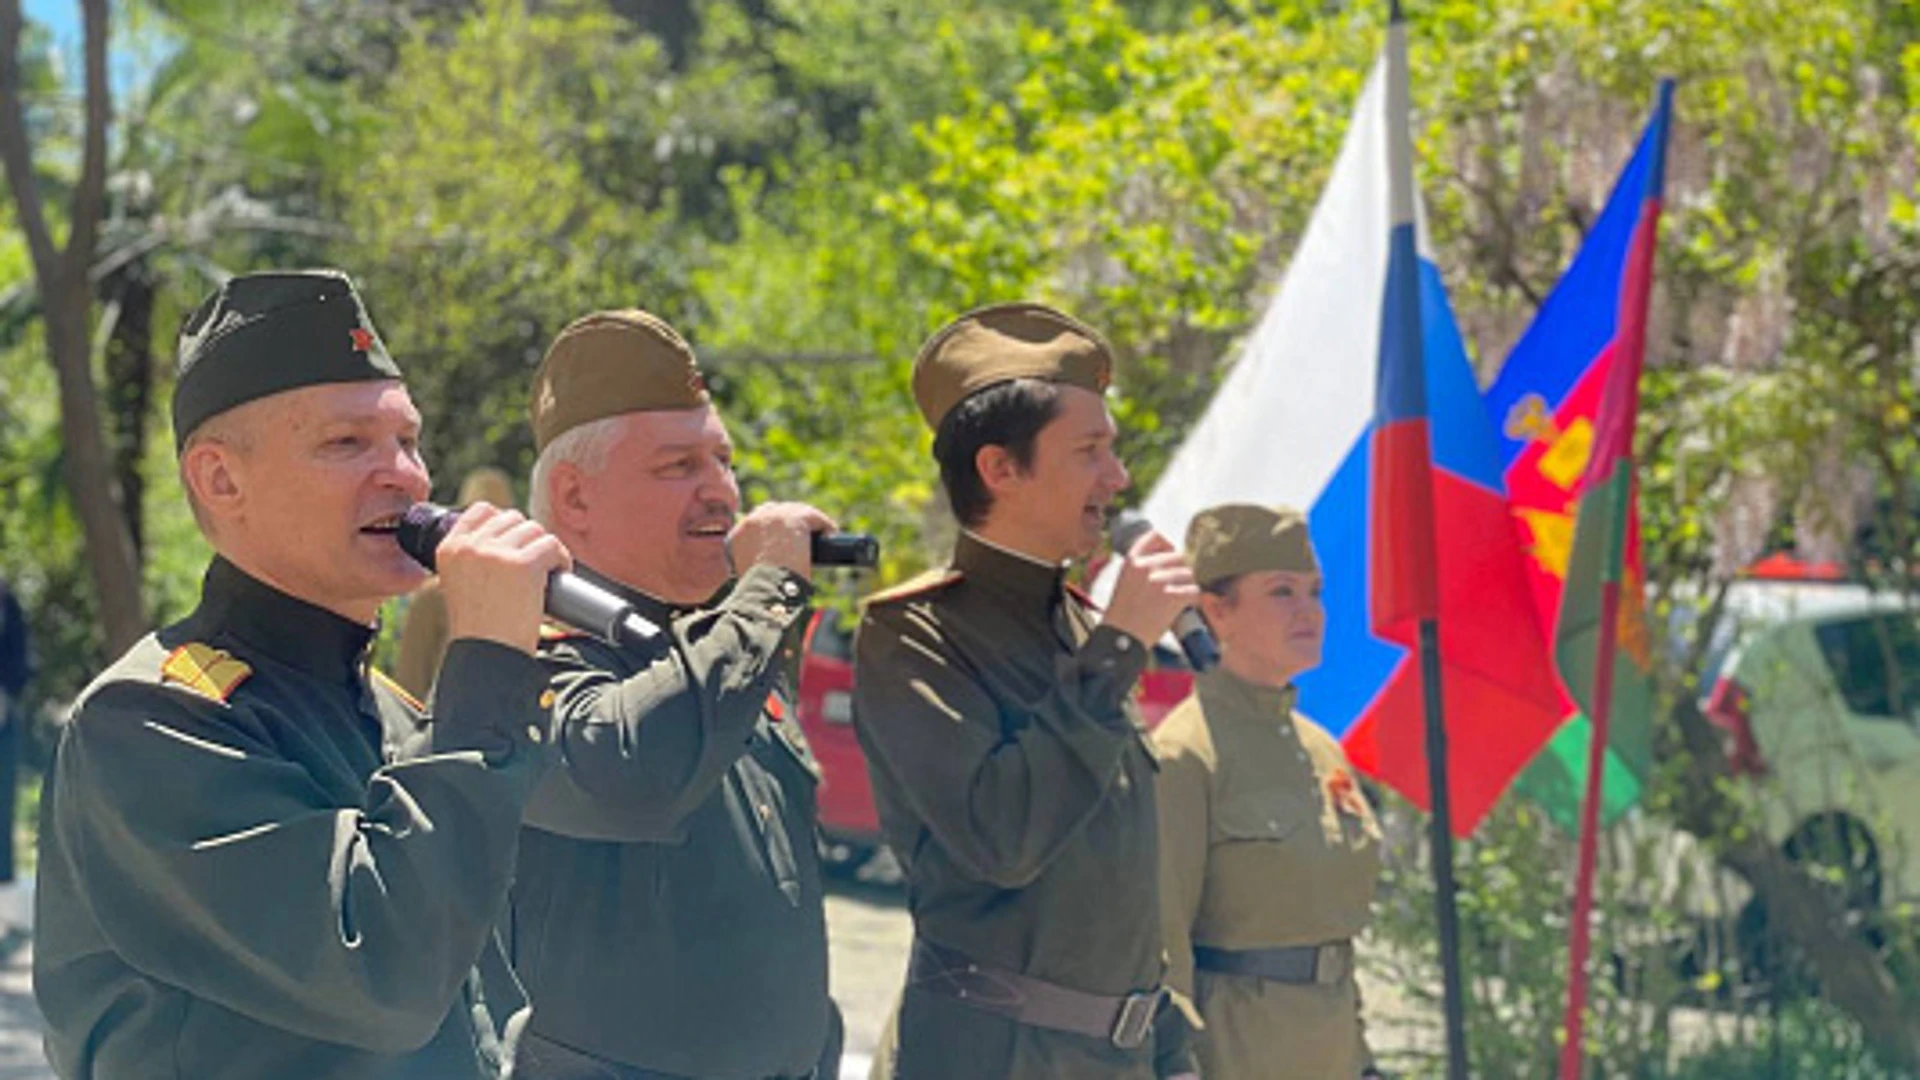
(571, 599)
(845, 549)
(1196, 641)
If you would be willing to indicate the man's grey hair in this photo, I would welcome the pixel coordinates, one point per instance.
(585, 446)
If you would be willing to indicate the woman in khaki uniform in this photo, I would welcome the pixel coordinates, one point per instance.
(1269, 851)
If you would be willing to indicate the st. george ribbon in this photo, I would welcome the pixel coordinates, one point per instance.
(571, 599)
(1196, 641)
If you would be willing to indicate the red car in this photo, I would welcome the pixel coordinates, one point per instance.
(847, 816)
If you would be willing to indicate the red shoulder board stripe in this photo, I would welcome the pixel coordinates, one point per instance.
(399, 691)
(202, 669)
(1082, 595)
(553, 631)
(928, 582)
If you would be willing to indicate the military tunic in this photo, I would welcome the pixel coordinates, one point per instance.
(1014, 782)
(258, 860)
(1267, 841)
(669, 916)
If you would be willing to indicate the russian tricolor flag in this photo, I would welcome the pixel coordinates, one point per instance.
(1357, 360)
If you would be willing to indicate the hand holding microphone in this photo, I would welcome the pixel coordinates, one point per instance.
(1156, 592)
(779, 534)
(798, 537)
(494, 567)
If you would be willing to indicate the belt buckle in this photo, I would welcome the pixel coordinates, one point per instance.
(1135, 1019)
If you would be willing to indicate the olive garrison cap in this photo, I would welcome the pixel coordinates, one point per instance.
(608, 363)
(1005, 342)
(262, 334)
(1239, 538)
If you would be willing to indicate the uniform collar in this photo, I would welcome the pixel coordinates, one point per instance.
(300, 635)
(1240, 698)
(1021, 578)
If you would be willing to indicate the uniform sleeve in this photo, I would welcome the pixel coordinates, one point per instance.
(639, 754)
(1181, 792)
(1002, 794)
(423, 641)
(212, 862)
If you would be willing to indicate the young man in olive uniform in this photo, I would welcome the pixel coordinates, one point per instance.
(261, 859)
(1009, 764)
(669, 918)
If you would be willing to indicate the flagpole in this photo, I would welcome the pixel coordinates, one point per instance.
(1572, 1053)
(1613, 454)
(1440, 794)
(1441, 841)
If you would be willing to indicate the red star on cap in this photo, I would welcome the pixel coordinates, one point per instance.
(362, 339)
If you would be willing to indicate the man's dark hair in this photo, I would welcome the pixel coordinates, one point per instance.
(1008, 414)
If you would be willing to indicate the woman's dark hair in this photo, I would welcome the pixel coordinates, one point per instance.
(1008, 414)
(1223, 587)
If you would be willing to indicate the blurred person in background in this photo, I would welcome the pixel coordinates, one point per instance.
(16, 667)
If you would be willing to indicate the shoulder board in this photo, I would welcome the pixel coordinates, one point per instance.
(392, 686)
(1081, 595)
(204, 670)
(553, 631)
(930, 582)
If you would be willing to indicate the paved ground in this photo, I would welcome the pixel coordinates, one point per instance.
(20, 1057)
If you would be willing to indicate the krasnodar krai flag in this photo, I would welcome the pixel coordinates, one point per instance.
(1588, 335)
(1293, 423)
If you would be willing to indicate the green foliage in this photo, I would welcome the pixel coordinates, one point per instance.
(492, 200)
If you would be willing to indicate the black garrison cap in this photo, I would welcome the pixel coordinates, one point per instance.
(262, 334)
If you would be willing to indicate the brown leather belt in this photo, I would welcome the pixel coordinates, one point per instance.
(1301, 964)
(1125, 1020)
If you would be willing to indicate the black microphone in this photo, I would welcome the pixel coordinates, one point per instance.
(1196, 641)
(571, 599)
(845, 549)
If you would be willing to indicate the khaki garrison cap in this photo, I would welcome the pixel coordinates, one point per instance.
(1239, 538)
(1005, 342)
(608, 363)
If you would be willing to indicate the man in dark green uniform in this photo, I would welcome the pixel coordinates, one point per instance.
(1009, 764)
(260, 859)
(669, 919)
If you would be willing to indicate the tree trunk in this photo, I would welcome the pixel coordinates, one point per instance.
(88, 468)
(66, 305)
(130, 389)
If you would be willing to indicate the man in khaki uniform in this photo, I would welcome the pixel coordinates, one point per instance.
(669, 918)
(1269, 851)
(1009, 765)
(260, 858)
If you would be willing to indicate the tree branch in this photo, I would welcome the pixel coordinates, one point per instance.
(16, 146)
(91, 190)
